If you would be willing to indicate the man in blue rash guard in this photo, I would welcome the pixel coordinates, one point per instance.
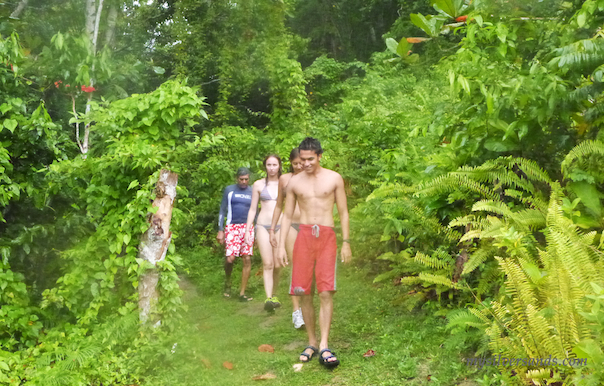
(236, 201)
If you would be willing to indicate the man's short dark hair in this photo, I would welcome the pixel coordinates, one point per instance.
(243, 171)
(312, 144)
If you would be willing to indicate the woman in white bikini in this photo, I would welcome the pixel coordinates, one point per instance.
(296, 167)
(266, 191)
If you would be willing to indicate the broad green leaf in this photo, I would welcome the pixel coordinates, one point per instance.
(451, 8)
(133, 184)
(392, 45)
(502, 32)
(159, 70)
(532, 271)
(479, 20)
(429, 26)
(464, 83)
(589, 348)
(589, 195)
(59, 40)
(581, 19)
(490, 107)
(94, 289)
(403, 47)
(413, 58)
(10, 124)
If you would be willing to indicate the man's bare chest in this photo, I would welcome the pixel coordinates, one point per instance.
(312, 191)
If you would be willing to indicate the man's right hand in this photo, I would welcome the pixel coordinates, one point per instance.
(282, 256)
(220, 237)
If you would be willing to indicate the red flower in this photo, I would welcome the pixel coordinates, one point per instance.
(88, 89)
(462, 18)
(57, 83)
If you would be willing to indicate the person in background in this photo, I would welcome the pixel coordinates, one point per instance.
(296, 168)
(234, 208)
(265, 191)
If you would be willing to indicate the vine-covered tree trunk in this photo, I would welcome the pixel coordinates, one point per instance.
(155, 242)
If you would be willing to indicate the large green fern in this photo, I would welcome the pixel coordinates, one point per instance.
(540, 312)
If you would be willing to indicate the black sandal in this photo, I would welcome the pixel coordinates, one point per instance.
(307, 355)
(324, 360)
(244, 298)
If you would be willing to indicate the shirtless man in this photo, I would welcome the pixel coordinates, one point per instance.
(315, 191)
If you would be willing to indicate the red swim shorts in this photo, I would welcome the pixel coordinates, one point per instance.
(234, 240)
(315, 250)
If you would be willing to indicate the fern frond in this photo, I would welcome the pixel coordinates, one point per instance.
(538, 374)
(586, 92)
(581, 54)
(452, 182)
(438, 260)
(489, 277)
(500, 177)
(462, 319)
(482, 316)
(496, 207)
(410, 280)
(543, 333)
(438, 279)
(518, 288)
(535, 201)
(463, 221)
(532, 219)
(471, 235)
(478, 257)
(529, 167)
(582, 150)
(432, 223)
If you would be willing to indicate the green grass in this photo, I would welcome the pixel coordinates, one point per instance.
(412, 348)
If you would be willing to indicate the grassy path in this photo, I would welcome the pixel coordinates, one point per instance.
(411, 348)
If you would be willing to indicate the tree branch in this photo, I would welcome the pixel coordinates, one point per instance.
(111, 22)
(19, 9)
(90, 9)
(75, 114)
(97, 22)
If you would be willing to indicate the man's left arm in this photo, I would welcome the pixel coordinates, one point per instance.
(343, 212)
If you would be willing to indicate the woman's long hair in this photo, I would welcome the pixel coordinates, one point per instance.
(280, 166)
(295, 153)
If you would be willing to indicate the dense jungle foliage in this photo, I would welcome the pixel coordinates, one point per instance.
(469, 134)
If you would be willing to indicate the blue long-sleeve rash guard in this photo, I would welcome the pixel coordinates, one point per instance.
(235, 205)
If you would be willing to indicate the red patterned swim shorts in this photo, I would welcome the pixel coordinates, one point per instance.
(314, 252)
(235, 242)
